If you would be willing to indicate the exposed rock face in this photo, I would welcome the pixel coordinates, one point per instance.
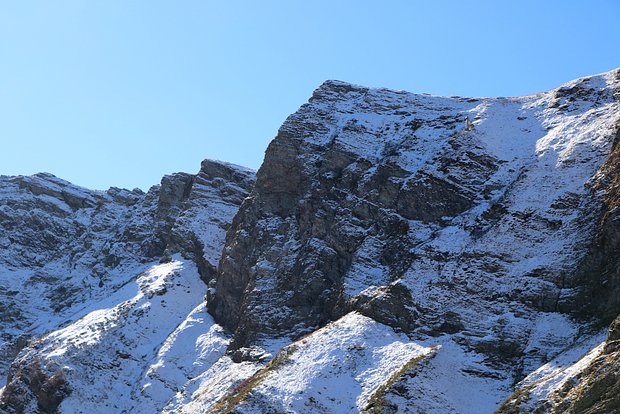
(332, 185)
(66, 248)
(396, 253)
(216, 193)
(35, 390)
(364, 188)
(598, 388)
(598, 274)
(588, 384)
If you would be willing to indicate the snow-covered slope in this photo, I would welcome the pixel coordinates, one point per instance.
(63, 246)
(397, 253)
(79, 270)
(341, 367)
(102, 355)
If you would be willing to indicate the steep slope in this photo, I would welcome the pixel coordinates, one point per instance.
(396, 253)
(582, 380)
(62, 246)
(338, 368)
(468, 219)
(80, 275)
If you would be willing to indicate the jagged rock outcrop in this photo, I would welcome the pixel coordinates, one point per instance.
(598, 274)
(368, 187)
(35, 390)
(396, 253)
(587, 383)
(66, 248)
(598, 388)
(216, 193)
(390, 204)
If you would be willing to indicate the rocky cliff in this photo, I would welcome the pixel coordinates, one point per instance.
(67, 251)
(396, 253)
(484, 223)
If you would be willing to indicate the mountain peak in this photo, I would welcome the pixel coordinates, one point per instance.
(395, 251)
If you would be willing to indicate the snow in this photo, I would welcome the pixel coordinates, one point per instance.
(137, 338)
(36, 275)
(550, 377)
(96, 302)
(453, 381)
(195, 345)
(106, 353)
(335, 369)
(364, 271)
(203, 392)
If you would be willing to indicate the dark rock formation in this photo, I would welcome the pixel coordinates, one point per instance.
(34, 389)
(393, 205)
(481, 231)
(214, 196)
(598, 275)
(592, 390)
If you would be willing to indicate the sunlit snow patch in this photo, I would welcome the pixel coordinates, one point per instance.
(338, 368)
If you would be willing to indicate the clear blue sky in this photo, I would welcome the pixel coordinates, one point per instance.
(117, 93)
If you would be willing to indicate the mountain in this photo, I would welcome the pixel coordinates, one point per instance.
(103, 278)
(395, 252)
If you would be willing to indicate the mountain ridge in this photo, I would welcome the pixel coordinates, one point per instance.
(476, 233)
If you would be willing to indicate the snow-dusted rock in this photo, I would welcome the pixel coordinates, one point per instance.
(397, 253)
(581, 380)
(70, 252)
(390, 204)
